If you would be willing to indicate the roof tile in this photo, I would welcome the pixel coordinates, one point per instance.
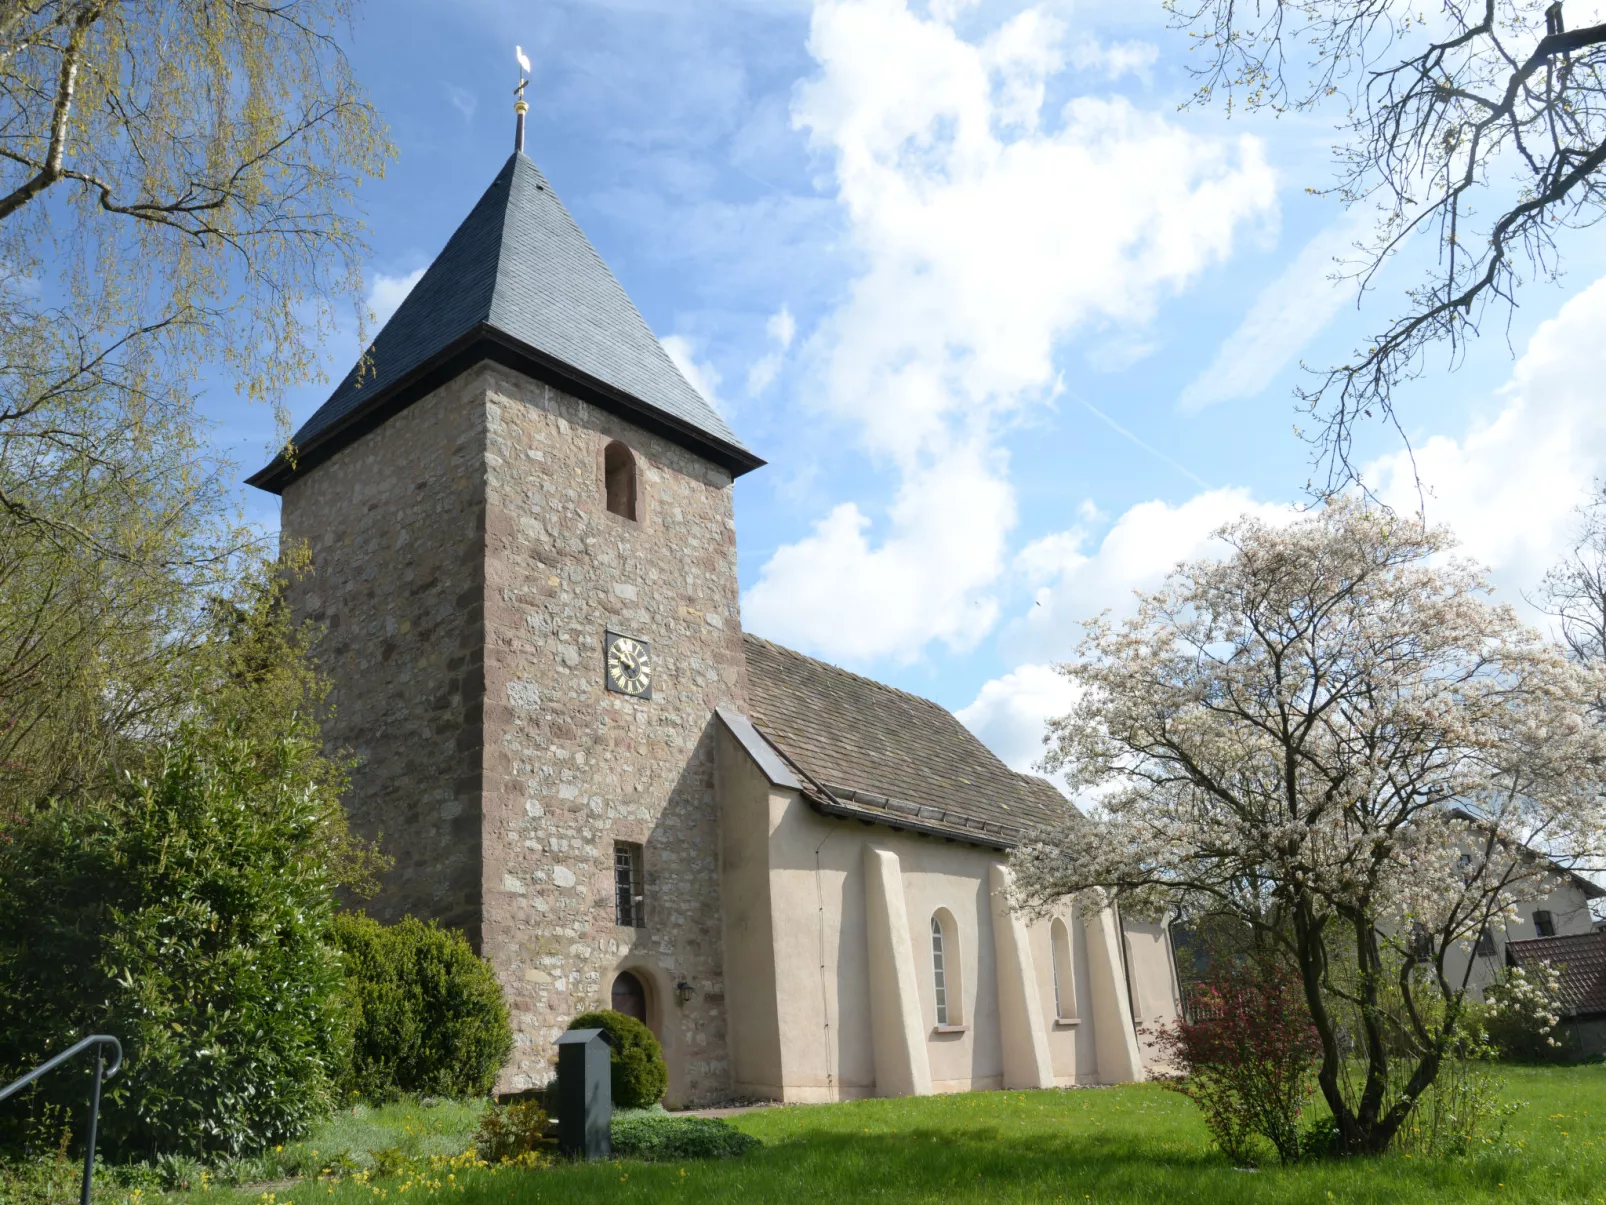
(1581, 959)
(892, 752)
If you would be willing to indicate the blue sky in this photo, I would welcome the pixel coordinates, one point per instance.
(1014, 331)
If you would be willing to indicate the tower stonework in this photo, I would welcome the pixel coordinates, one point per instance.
(570, 767)
(469, 561)
(395, 527)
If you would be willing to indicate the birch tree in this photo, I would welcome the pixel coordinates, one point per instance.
(1335, 736)
(177, 196)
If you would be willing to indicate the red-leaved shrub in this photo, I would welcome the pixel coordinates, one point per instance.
(1245, 1053)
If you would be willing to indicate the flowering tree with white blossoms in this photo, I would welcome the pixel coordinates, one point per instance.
(1334, 735)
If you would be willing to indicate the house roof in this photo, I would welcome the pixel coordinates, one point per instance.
(1581, 960)
(890, 757)
(518, 282)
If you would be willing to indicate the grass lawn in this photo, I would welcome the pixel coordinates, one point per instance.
(1130, 1144)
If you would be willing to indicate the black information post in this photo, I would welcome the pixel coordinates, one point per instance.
(585, 1094)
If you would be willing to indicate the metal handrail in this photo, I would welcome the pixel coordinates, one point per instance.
(102, 1072)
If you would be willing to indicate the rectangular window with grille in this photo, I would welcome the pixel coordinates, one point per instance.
(939, 972)
(1485, 943)
(1544, 924)
(629, 890)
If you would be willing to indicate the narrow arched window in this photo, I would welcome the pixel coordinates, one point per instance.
(1059, 936)
(947, 986)
(619, 478)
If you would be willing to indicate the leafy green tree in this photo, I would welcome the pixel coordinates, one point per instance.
(186, 905)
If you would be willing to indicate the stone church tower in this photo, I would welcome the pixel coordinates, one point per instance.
(519, 515)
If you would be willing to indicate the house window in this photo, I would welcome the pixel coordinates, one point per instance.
(947, 986)
(1544, 924)
(629, 895)
(1485, 943)
(619, 478)
(1059, 938)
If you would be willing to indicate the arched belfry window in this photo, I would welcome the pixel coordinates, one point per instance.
(1064, 976)
(619, 477)
(947, 985)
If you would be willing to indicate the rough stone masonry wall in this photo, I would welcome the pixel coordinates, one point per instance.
(395, 524)
(570, 767)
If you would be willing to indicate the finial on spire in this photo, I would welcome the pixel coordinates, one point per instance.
(520, 107)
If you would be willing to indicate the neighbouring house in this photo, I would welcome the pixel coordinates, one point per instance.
(1562, 920)
(1580, 960)
(520, 520)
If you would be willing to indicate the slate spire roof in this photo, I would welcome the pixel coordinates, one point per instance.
(519, 283)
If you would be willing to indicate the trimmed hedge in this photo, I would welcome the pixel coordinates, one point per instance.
(638, 1072)
(431, 1020)
(663, 1136)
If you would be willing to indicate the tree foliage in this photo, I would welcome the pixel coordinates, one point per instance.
(176, 189)
(1478, 123)
(182, 899)
(1335, 737)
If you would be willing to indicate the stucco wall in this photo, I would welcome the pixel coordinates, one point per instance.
(1070, 1040)
(571, 767)
(823, 936)
(395, 525)
(747, 806)
(1152, 973)
(1569, 910)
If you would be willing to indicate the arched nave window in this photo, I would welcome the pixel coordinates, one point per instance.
(947, 985)
(1059, 936)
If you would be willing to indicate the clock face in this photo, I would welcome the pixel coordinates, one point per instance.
(629, 666)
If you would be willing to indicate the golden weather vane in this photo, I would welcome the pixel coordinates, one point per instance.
(520, 105)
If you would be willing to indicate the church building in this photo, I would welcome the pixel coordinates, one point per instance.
(524, 564)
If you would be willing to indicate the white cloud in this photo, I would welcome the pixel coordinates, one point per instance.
(782, 329)
(1009, 714)
(1509, 486)
(989, 231)
(700, 374)
(1116, 59)
(464, 101)
(833, 590)
(388, 292)
(1287, 315)
(1073, 581)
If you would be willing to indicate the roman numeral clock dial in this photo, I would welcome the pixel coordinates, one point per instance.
(628, 668)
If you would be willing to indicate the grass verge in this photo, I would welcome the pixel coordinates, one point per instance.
(1130, 1144)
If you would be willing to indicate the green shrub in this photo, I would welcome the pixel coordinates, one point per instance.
(663, 1136)
(639, 1075)
(430, 1015)
(188, 913)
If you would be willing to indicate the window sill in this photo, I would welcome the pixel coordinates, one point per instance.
(951, 1029)
(1066, 1022)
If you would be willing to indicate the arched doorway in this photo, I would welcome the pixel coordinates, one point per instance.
(629, 997)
